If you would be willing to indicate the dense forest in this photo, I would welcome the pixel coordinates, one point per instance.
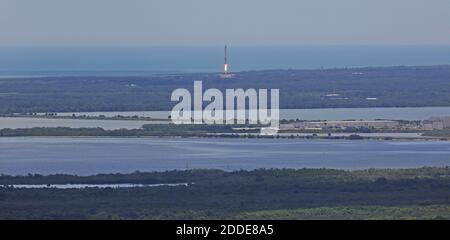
(331, 88)
(212, 194)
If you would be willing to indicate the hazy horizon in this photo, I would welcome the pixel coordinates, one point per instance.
(143, 23)
(36, 60)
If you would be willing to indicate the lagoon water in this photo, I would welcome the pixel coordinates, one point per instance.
(81, 186)
(404, 113)
(84, 156)
(27, 122)
(409, 113)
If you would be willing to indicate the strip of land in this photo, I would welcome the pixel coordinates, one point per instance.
(300, 89)
(224, 131)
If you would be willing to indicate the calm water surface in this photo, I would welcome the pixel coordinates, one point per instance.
(420, 113)
(25, 122)
(84, 156)
(80, 186)
(406, 113)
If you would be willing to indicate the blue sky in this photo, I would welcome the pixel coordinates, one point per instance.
(212, 22)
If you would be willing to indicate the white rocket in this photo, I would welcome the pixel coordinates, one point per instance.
(225, 65)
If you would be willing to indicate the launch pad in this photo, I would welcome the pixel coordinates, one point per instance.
(228, 75)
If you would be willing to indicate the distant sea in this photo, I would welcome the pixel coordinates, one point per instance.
(121, 61)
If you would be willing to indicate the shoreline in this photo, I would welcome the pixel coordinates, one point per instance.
(5, 179)
(310, 136)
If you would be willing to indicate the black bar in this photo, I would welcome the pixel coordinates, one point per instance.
(219, 229)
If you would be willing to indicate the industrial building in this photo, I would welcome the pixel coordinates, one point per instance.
(436, 123)
(377, 124)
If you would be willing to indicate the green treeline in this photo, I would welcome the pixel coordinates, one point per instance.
(183, 130)
(214, 194)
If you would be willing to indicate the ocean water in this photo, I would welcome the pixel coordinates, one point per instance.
(44, 61)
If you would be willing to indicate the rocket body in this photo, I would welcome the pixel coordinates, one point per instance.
(225, 65)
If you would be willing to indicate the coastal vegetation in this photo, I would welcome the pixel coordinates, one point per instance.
(151, 130)
(422, 193)
(209, 131)
(83, 117)
(354, 213)
(330, 88)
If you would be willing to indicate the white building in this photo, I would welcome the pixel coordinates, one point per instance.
(269, 131)
(377, 124)
(438, 123)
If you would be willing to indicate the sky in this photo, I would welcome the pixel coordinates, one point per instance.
(213, 22)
